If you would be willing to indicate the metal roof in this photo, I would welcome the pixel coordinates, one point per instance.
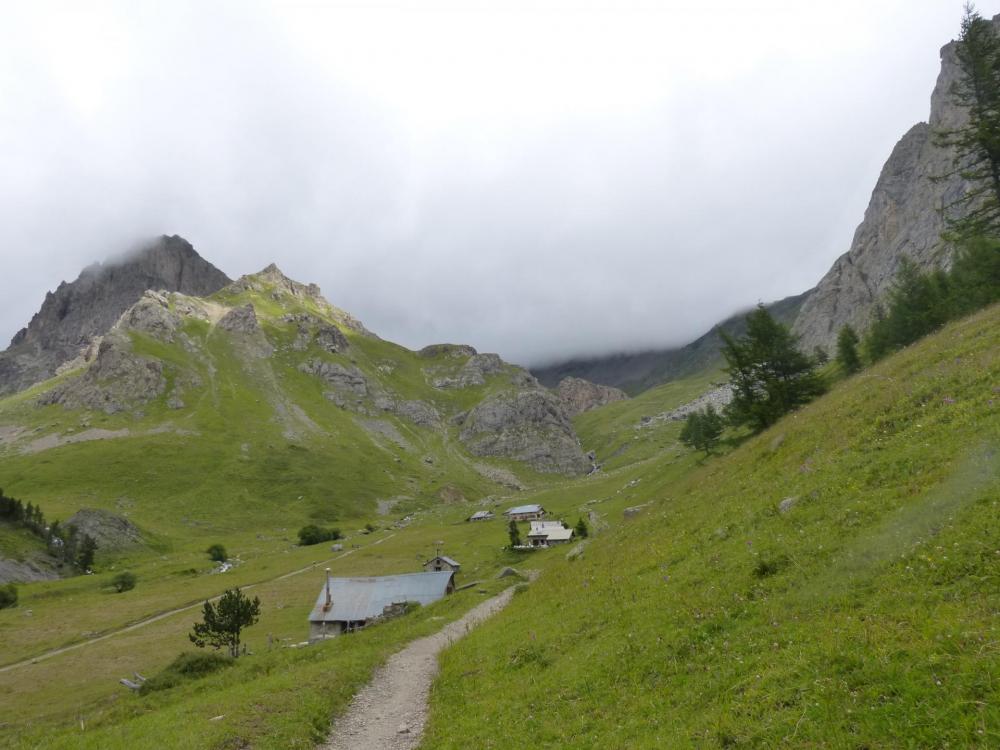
(357, 599)
(545, 525)
(444, 558)
(482, 514)
(534, 508)
(560, 534)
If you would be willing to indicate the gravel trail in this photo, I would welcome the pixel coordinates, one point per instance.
(390, 712)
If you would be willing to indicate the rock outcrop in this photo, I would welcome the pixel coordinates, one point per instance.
(474, 372)
(903, 219)
(76, 313)
(529, 426)
(111, 531)
(578, 395)
(116, 380)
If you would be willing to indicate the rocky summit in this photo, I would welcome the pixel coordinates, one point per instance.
(904, 219)
(72, 318)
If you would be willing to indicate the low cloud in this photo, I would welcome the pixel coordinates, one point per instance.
(536, 180)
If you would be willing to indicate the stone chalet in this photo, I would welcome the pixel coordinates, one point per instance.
(346, 604)
(547, 533)
(526, 513)
(442, 563)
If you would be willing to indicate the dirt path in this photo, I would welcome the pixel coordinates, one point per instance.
(170, 613)
(390, 712)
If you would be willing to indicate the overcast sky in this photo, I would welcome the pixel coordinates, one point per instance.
(539, 179)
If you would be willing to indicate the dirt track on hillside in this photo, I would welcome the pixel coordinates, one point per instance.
(391, 711)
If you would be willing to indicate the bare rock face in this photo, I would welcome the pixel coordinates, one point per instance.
(474, 372)
(459, 351)
(240, 320)
(903, 219)
(152, 315)
(111, 531)
(76, 313)
(528, 426)
(115, 381)
(578, 395)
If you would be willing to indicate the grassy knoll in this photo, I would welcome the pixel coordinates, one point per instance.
(863, 617)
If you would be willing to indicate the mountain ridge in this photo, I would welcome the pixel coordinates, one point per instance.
(73, 316)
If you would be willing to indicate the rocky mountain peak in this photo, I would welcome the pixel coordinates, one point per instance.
(77, 312)
(903, 219)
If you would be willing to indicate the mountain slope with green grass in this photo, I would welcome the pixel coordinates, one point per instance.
(832, 582)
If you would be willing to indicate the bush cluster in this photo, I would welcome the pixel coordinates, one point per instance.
(313, 534)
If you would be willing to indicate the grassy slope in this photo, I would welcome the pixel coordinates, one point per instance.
(866, 617)
(239, 465)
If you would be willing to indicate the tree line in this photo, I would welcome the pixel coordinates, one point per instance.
(64, 542)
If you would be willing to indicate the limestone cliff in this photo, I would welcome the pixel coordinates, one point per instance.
(903, 219)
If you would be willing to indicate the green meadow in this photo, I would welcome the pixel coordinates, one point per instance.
(862, 612)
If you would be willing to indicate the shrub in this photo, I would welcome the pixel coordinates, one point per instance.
(217, 552)
(187, 666)
(124, 581)
(8, 596)
(313, 534)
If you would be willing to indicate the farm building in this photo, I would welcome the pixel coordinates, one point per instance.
(526, 513)
(546, 533)
(442, 563)
(346, 604)
(481, 515)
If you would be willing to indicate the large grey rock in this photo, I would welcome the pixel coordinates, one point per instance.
(116, 380)
(528, 426)
(578, 395)
(903, 219)
(76, 313)
(240, 320)
(152, 315)
(474, 372)
(111, 531)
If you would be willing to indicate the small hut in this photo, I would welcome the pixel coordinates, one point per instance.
(441, 562)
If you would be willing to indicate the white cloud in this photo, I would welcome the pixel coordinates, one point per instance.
(541, 179)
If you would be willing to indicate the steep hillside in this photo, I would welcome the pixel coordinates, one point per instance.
(76, 314)
(634, 373)
(830, 583)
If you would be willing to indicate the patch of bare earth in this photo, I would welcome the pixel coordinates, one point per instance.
(391, 711)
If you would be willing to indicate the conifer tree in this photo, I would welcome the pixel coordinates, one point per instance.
(976, 142)
(514, 533)
(769, 375)
(847, 350)
(222, 625)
